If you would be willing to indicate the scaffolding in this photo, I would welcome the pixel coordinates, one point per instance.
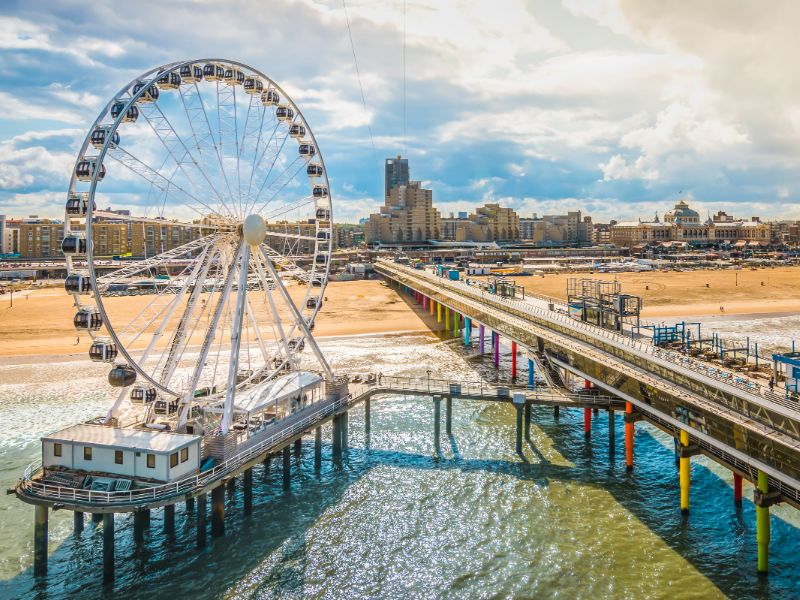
(602, 302)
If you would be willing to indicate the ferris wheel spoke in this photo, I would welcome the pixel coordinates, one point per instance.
(177, 149)
(260, 157)
(265, 177)
(226, 127)
(208, 135)
(155, 221)
(302, 203)
(291, 236)
(155, 178)
(282, 179)
(180, 338)
(166, 313)
(156, 261)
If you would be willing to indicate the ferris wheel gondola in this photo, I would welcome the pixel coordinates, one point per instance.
(225, 238)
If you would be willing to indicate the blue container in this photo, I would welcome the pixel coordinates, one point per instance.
(453, 275)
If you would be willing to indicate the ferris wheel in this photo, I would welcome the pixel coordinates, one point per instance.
(204, 280)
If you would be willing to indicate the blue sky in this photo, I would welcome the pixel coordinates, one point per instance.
(615, 107)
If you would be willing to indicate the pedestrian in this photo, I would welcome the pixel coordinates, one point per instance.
(771, 384)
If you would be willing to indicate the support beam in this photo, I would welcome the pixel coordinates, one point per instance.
(448, 416)
(437, 400)
(77, 521)
(40, 535)
(201, 520)
(247, 482)
(762, 524)
(108, 547)
(218, 511)
(629, 436)
(287, 469)
(685, 473)
(737, 489)
(169, 520)
(318, 447)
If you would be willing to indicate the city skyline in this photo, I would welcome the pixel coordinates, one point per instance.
(597, 106)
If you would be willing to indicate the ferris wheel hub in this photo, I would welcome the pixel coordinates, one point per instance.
(254, 229)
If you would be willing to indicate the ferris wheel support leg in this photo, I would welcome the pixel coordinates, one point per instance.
(299, 320)
(236, 338)
(209, 337)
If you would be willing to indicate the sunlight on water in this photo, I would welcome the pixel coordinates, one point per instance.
(394, 521)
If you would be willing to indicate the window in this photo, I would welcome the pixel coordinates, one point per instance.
(118, 457)
(184, 455)
(56, 449)
(151, 461)
(87, 453)
(173, 460)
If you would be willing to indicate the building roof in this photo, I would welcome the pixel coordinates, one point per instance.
(115, 437)
(277, 391)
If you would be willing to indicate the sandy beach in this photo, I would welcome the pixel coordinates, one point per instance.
(40, 322)
(696, 293)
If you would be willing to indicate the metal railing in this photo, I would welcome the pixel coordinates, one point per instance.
(181, 487)
(634, 342)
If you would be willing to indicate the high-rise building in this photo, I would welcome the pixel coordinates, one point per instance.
(396, 173)
(407, 216)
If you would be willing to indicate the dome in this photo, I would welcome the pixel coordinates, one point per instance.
(682, 214)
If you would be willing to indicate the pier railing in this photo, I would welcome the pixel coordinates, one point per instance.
(190, 484)
(635, 342)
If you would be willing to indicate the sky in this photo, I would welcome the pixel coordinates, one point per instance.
(614, 107)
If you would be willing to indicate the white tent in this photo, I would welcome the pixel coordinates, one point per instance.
(277, 391)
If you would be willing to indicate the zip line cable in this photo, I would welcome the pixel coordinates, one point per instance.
(361, 87)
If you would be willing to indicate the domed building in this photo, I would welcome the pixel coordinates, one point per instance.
(682, 214)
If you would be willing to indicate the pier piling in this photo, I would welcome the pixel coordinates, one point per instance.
(108, 547)
(612, 432)
(556, 412)
(587, 422)
(527, 422)
(298, 446)
(629, 436)
(448, 416)
(247, 482)
(685, 472)
(336, 441)
(318, 447)
(437, 400)
(496, 349)
(737, 489)
(218, 511)
(40, 526)
(231, 486)
(367, 415)
(266, 462)
(287, 468)
(762, 524)
(467, 331)
(513, 360)
(481, 343)
(531, 374)
(519, 408)
(97, 517)
(201, 520)
(190, 505)
(344, 428)
(169, 520)
(138, 526)
(77, 521)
